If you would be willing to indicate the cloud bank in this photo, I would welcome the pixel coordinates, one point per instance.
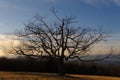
(8, 41)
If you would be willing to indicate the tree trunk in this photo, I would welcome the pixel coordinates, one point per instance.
(61, 67)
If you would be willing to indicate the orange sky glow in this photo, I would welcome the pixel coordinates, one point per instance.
(8, 41)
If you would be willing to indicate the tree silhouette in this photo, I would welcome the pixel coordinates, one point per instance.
(60, 41)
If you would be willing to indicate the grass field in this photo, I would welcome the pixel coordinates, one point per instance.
(47, 76)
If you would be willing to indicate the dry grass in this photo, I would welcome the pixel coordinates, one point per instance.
(46, 76)
(88, 77)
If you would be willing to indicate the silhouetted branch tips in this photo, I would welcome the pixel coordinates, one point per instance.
(61, 41)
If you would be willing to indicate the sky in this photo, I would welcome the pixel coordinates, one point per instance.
(89, 13)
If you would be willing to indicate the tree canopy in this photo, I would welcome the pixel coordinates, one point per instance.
(61, 40)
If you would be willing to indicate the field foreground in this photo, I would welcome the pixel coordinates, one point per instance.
(48, 76)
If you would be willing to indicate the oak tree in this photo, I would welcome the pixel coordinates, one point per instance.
(61, 40)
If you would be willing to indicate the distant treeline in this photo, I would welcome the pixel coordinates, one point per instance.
(26, 64)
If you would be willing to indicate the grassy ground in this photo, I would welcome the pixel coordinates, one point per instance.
(46, 76)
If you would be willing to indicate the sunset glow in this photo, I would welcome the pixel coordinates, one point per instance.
(9, 41)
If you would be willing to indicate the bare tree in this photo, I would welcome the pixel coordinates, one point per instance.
(60, 41)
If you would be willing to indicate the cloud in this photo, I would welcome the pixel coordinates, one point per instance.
(101, 2)
(6, 42)
(116, 2)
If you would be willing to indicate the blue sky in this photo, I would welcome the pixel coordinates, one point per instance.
(89, 13)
